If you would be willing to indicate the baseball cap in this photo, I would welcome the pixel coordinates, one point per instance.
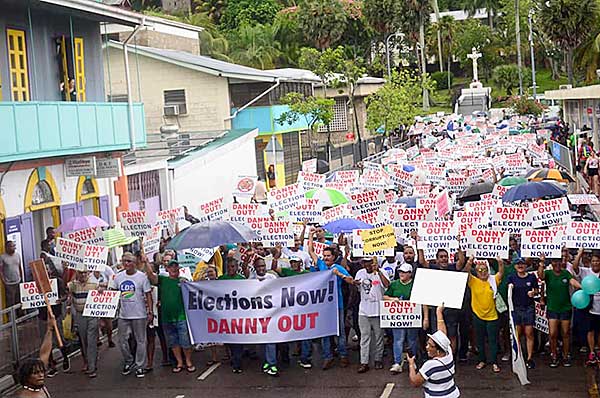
(406, 268)
(441, 340)
(520, 260)
(295, 258)
(172, 263)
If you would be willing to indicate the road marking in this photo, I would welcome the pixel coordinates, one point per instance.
(387, 390)
(180, 396)
(208, 371)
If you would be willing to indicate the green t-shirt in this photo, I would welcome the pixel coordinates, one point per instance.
(503, 286)
(171, 301)
(227, 277)
(399, 289)
(291, 272)
(557, 290)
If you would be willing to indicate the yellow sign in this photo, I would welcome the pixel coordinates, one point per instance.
(378, 239)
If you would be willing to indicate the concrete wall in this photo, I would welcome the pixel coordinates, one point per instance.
(212, 175)
(207, 96)
(166, 41)
(44, 79)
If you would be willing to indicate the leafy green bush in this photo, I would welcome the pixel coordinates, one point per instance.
(525, 106)
(507, 77)
(441, 79)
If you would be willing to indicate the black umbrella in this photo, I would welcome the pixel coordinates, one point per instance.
(473, 193)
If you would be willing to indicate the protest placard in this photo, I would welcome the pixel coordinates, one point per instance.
(239, 212)
(499, 191)
(71, 252)
(318, 247)
(511, 219)
(336, 213)
(482, 205)
(434, 287)
(400, 314)
(310, 165)
(366, 202)
(101, 304)
(309, 181)
(405, 220)
(375, 179)
(456, 184)
(468, 219)
(378, 239)
(168, 219)
(545, 213)
(436, 175)
(95, 257)
(421, 190)
(244, 186)
(584, 234)
(538, 242)
(435, 235)
(541, 318)
(358, 247)
(135, 223)
(301, 307)
(91, 235)
(442, 204)
(426, 203)
(213, 210)
(285, 198)
(583, 199)
(307, 209)
(31, 297)
(347, 175)
(403, 179)
(486, 243)
(152, 241)
(273, 233)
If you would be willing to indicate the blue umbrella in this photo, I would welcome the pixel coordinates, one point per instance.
(345, 225)
(409, 201)
(212, 234)
(408, 168)
(532, 190)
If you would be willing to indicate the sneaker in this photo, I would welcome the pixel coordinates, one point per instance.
(554, 362)
(93, 375)
(305, 365)
(327, 364)
(396, 368)
(363, 368)
(355, 338)
(567, 362)
(237, 370)
(273, 371)
(127, 369)
(592, 359)
(52, 372)
(583, 350)
(265, 367)
(66, 365)
(506, 357)
(139, 373)
(530, 364)
(378, 365)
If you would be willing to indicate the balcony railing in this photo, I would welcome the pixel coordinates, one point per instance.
(33, 130)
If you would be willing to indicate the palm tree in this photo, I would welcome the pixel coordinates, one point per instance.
(322, 21)
(587, 56)
(471, 6)
(254, 46)
(213, 8)
(417, 15)
(436, 10)
(446, 30)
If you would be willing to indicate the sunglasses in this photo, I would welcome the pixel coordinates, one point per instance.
(482, 270)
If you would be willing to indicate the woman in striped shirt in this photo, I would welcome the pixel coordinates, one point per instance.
(437, 373)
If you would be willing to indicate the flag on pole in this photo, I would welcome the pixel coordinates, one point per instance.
(518, 363)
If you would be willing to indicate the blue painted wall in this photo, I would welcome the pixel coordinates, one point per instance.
(265, 119)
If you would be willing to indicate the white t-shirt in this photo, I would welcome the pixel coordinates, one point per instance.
(583, 272)
(265, 277)
(389, 269)
(435, 371)
(107, 276)
(306, 260)
(371, 292)
(132, 288)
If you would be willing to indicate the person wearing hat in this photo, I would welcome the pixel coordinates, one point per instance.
(524, 288)
(399, 290)
(373, 283)
(437, 373)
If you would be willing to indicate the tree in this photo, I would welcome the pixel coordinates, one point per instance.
(507, 77)
(324, 64)
(397, 102)
(568, 24)
(587, 57)
(254, 46)
(322, 21)
(471, 7)
(472, 33)
(248, 12)
(522, 105)
(213, 8)
(446, 29)
(384, 17)
(416, 16)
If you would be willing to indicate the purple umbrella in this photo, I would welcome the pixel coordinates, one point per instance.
(81, 222)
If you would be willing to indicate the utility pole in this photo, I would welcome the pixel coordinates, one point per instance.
(530, 20)
(518, 37)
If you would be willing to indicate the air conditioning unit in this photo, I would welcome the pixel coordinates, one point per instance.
(171, 110)
(565, 86)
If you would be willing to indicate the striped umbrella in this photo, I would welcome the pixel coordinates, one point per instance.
(550, 174)
(327, 197)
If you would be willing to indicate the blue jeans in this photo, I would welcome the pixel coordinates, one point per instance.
(326, 341)
(410, 335)
(270, 354)
(236, 355)
(305, 350)
(177, 334)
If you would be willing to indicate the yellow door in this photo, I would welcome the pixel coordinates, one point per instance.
(17, 58)
(79, 69)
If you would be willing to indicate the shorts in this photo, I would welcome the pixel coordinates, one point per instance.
(561, 316)
(592, 172)
(177, 334)
(524, 316)
(593, 323)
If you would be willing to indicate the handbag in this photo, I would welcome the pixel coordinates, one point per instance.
(67, 324)
(500, 304)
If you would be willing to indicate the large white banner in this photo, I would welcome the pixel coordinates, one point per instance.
(300, 307)
(135, 223)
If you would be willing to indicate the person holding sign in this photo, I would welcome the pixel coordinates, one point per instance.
(372, 284)
(236, 349)
(484, 290)
(559, 308)
(399, 290)
(85, 327)
(328, 264)
(437, 373)
(525, 288)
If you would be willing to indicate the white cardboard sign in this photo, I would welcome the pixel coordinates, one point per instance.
(434, 287)
(32, 298)
(101, 305)
(487, 243)
(402, 314)
(538, 242)
(135, 223)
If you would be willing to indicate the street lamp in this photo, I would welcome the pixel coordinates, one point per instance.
(387, 51)
(530, 21)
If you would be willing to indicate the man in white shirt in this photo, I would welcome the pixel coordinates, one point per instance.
(373, 283)
(296, 251)
(270, 350)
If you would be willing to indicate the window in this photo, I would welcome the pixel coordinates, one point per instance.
(175, 98)
(117, 98)
(88, 187)
(340, 117)
(79, 68)
(42, 193)
(17, 58)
